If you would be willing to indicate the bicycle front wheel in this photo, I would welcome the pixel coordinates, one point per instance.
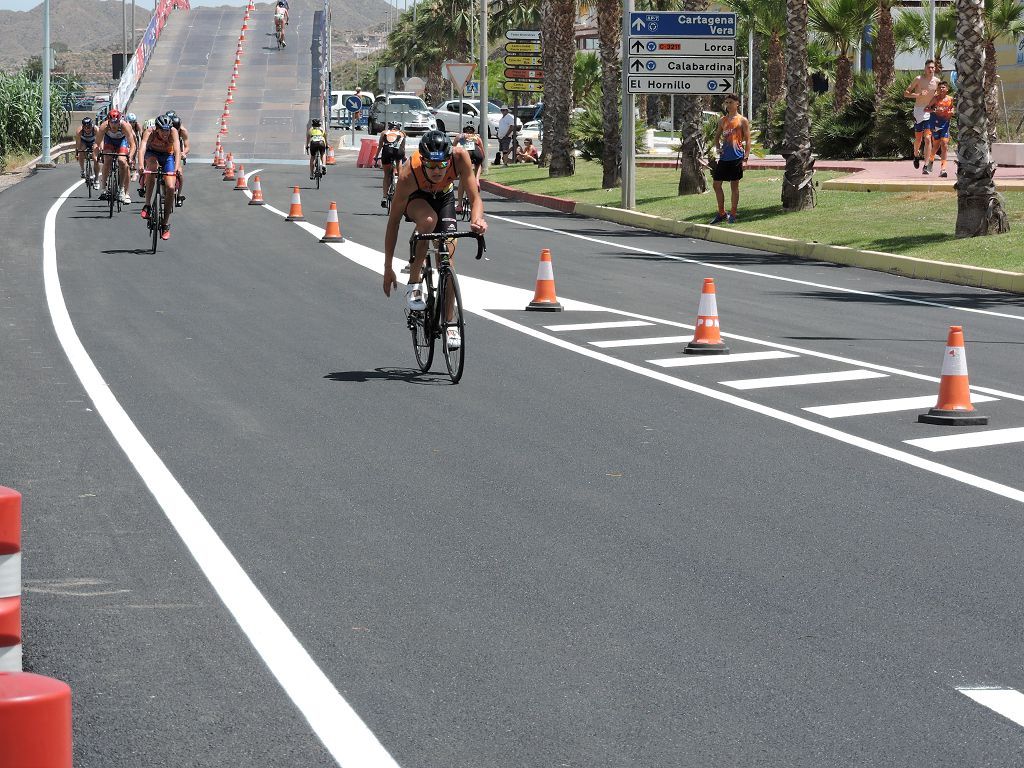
(88, 176)
(453, 329)
(156, 215)
(111, 190)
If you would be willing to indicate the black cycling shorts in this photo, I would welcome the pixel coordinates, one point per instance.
(443, 205)
(391, 156)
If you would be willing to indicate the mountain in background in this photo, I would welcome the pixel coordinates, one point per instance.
(85, 32)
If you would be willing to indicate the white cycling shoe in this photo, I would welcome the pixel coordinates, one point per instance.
(454, 339)
(414, 297)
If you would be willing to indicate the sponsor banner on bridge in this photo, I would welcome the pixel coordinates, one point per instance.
(136, 65)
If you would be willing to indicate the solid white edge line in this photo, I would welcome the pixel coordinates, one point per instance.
(1007, 702)
(751, 272)
(345, 736)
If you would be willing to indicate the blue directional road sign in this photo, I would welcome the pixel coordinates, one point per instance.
(682, 24)
(353, 103)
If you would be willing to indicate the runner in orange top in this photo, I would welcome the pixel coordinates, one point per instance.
(942, 110)
(732, 139)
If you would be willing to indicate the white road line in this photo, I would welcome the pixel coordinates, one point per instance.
(739, 357)
(598, 326)
(1003, 701)
(333, 720)
(842, 410)
(806, 378)
(498, 294)
(725, 268)
(650, 342)
(969, 440)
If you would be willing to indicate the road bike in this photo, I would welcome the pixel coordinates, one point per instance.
(444, 310)
(156, 220)
(280, 33)
(113, 184)
(90, 171)
(318, 166)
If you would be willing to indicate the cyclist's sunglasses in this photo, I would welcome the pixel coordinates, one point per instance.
(435, 164)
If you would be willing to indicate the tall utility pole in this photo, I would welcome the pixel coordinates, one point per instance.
(134, 45)
(46, 160)
(485, 122)
(124, 36)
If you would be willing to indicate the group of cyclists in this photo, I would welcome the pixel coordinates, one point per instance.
(161, 145)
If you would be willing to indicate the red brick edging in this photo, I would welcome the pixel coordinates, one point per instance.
(556, 203)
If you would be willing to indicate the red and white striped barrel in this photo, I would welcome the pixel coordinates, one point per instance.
(10, 580)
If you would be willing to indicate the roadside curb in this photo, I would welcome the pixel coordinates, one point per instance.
(907, 266)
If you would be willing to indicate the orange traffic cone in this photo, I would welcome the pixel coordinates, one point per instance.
(229, 100)
(257, 192)
(953, 407)
(229, 171)
(221, 159)
(707, 340)
(240, 176)
(216, 155)
(333, 232)
(330, 155)
(295, 212)
(544, 299)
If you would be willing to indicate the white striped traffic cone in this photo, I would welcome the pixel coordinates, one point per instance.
(954, 408)
(707, 336)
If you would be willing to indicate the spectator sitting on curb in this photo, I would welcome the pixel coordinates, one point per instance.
(528, 153)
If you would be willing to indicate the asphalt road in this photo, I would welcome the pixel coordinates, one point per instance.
(574, 557)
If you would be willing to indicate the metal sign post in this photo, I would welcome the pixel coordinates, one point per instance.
(524, 73)
(353, 104)
(460, 74)
(628, 123)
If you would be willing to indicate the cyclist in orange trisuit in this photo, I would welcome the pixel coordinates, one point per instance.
(425, 195)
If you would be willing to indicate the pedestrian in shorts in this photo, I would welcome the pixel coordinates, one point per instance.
(732, 140)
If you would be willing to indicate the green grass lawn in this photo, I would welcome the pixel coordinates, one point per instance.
(916, 224)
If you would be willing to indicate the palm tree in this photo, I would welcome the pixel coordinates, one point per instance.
(978, 210)
(798, 180)
(558, 52)
(769, 20)
(691, 152)
(911, 33)
(883, 57)
(1003, 18)
(504, 15)
(609, 34)
(840, 24)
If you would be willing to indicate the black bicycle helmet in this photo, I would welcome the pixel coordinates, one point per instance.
(171, 114)
(316, 122)
(435, 145)
(394, 124)
(86, 121)
(176, 121)
(163, 122)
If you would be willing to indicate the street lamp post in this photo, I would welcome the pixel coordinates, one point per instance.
(46, 161)
(485, 122)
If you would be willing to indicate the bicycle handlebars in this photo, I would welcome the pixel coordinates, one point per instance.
(481, 244)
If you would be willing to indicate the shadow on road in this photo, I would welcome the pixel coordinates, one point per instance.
(408, 375)
(136, 251)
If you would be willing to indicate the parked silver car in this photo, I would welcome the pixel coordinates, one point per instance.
(405, 108)
(447, 115)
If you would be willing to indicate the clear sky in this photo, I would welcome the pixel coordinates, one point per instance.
(25, 5)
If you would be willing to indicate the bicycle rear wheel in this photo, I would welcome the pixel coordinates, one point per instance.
(318, 171)
(455, 359)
